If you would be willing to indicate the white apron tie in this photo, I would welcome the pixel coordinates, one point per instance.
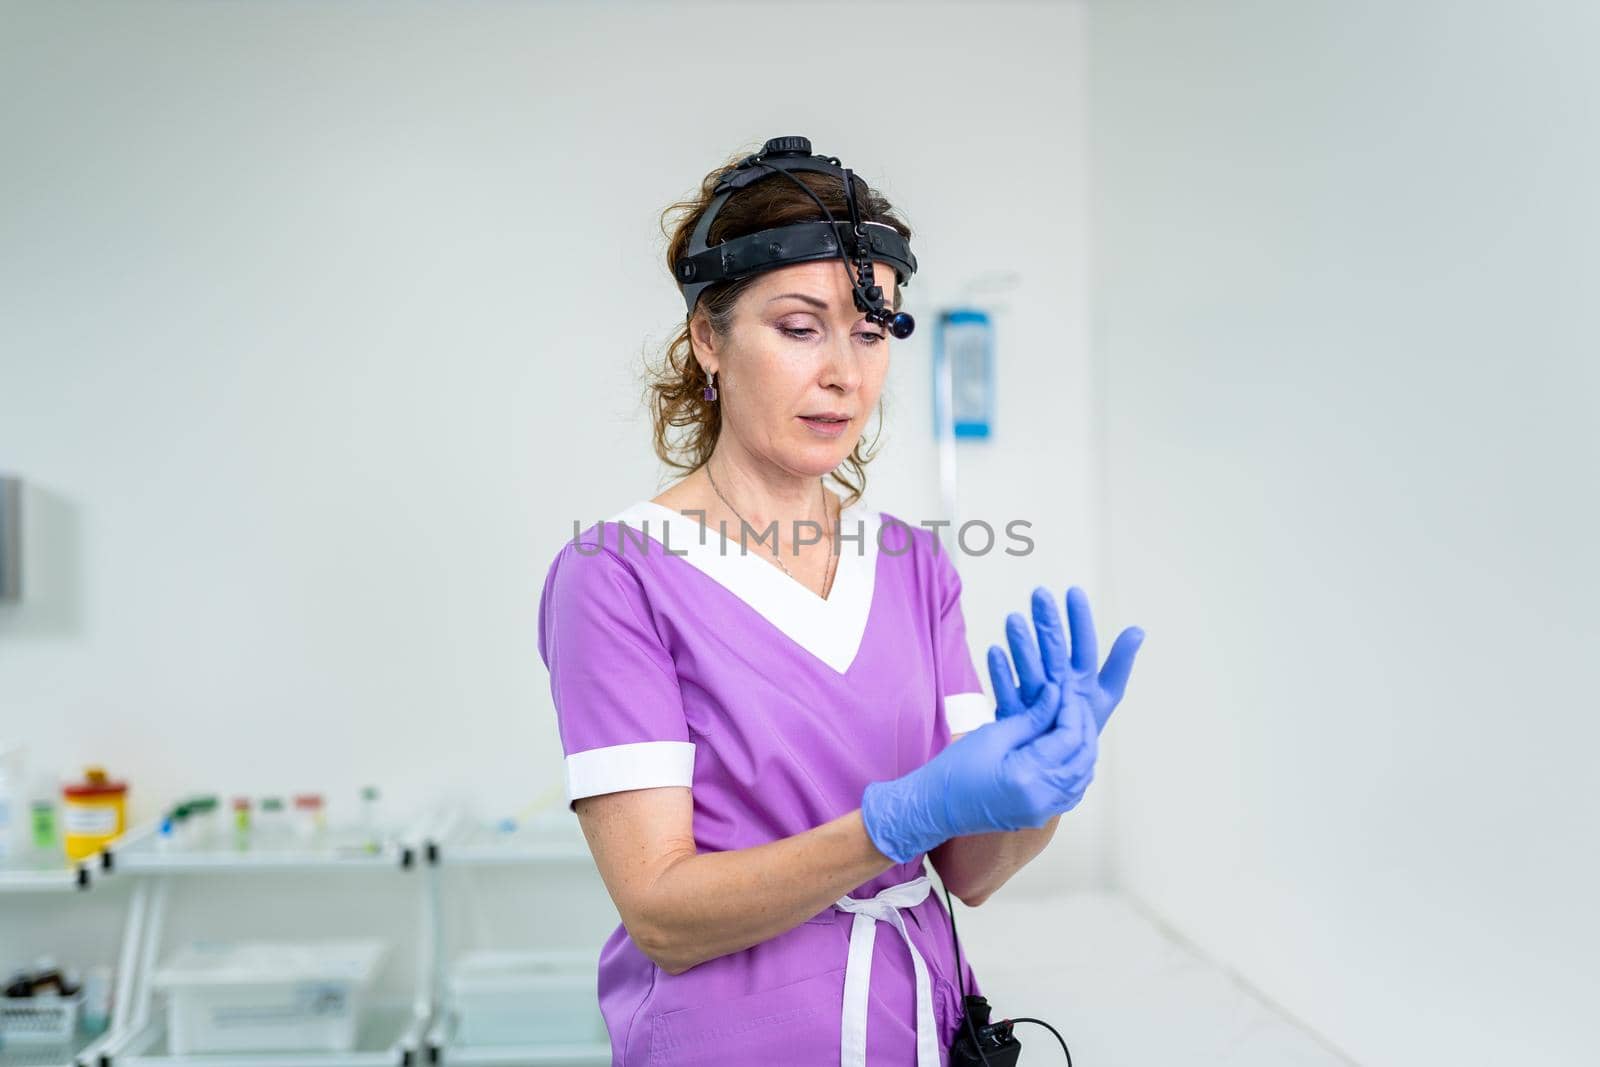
(858, 971)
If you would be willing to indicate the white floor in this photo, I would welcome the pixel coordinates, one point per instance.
(1121, 991)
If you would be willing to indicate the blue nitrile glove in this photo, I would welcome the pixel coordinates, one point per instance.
(1102, 687)
(1017, 772)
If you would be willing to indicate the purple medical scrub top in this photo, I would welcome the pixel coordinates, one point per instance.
(676, 659)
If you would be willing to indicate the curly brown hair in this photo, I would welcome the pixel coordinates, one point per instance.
(676, 382)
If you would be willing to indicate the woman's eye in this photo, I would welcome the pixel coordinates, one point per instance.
(801, 332)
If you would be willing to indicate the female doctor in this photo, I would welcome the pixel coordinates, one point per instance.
(766, 701)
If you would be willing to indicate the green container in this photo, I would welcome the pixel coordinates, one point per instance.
(45, 838)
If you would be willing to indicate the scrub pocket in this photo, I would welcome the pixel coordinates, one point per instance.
(947, 1009)
(797, 1023)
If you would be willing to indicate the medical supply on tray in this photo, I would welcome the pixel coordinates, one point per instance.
(40, 1006)
(190, 824)
(203, 820)
(271, 828)
(267, 996)
(28, 830)
(371, 822)
(167, 833)
(309, 821)
(504, 997)
(273, 822)
(46, 841)
(28, 810)
(241, 822)
(94, 813)
(95, 1015)
(13, 798)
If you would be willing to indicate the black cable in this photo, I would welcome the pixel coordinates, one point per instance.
(961, 979)
(1047, 1026)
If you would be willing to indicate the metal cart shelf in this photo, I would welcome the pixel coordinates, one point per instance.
(32, 875)
(453, 840)
(390, 1034)
(441, 1049)
(334, 850)
(40, 875)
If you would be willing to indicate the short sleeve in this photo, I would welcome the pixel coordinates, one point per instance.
(965, 705)
(618, 705)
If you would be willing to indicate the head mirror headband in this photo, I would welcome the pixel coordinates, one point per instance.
(703, 265)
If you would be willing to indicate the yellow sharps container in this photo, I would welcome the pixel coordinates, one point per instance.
(94, 812)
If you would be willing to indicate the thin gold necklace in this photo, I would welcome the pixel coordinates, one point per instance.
(833, 559)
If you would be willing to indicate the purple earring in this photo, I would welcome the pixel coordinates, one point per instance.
(710, 392)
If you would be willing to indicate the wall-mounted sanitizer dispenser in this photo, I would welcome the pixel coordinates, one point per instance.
(10, 538)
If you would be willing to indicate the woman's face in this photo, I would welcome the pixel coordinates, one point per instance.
(798, 347)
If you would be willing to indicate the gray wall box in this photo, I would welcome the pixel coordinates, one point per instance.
(10, 538)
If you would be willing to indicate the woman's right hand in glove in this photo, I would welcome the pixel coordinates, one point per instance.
(1020, 771)
(1017, 772)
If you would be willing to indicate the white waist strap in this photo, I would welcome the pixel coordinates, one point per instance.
(858, 971)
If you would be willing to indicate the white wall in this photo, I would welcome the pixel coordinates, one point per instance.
(320, 323)
(1345, 271)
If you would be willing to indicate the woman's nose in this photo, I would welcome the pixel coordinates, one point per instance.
(843, 368)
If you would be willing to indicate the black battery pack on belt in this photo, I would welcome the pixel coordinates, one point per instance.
(995, 1046)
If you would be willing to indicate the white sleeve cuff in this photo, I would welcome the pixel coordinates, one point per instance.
(967, 711)
(640, 765)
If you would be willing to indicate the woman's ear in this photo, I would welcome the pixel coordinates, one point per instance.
(703, 342)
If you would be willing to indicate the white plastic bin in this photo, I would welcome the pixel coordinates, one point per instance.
(41, 1020)
(527, 998)
(266, 996)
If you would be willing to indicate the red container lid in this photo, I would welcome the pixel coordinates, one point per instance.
(308, 800)
(95, 784)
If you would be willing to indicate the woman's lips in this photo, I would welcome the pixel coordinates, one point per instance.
(824, 427)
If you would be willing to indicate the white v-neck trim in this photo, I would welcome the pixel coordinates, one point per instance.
(831, 630)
